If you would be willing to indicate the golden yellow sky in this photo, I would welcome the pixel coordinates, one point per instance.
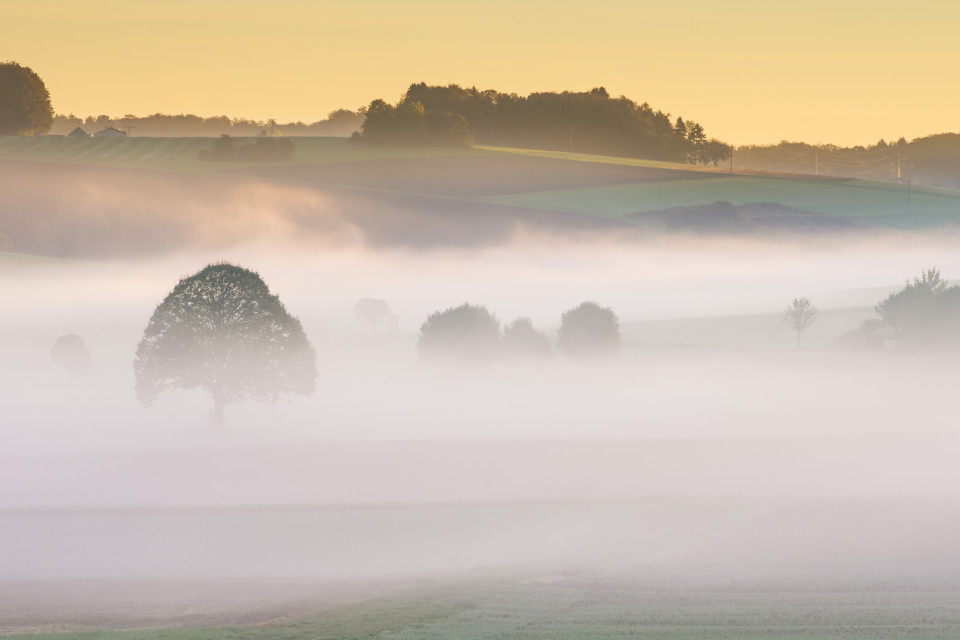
(846, 72)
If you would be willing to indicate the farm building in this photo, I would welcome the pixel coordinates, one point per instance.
(110, 132)
(78, 133)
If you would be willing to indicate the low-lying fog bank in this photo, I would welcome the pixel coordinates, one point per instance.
(917, 464)
(794, 418)
(722, 442)
(737, 536)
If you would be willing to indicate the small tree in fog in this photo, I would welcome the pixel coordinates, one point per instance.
(589, 332)
(522, 342)
(467, 334)
(221, 330)
(371, 311)
(70, 353)
(799, 315)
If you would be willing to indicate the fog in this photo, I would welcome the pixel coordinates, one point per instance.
(690, 448)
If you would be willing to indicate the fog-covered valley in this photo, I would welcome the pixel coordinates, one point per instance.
(716, 438)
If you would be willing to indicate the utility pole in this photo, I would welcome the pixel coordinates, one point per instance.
(816, 161)
(898, 163)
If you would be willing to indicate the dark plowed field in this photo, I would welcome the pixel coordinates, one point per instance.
(475, 177)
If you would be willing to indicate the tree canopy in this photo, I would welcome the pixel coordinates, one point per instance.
(587, 122)
(341, 122)
(371, 311)
(221, 330)
(70, 353)
(924, 314)
(589, 332)
(25, 106)
(521, 341)
(467, 334)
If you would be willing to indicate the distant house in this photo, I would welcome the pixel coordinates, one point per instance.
(110, 132)
(78, 133)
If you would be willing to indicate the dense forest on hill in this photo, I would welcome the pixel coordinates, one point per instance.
(931, 160)
(585, 122)
(341, 122)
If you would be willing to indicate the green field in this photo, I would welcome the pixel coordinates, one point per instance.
(561, 607)
(876, 204)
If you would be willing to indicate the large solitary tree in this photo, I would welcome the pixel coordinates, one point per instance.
(25, 106)
(221, 330)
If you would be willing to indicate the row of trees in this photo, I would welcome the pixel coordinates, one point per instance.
(470, 334)
(931, 160)
(341, 123)
(587, 122)
(221, 330)
(260, 148)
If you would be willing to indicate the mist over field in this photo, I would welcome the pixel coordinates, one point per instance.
(715, 439)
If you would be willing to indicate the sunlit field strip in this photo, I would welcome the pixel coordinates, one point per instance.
(182, 154)
(587, 157)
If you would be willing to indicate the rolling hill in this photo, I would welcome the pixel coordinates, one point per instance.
(417, 196)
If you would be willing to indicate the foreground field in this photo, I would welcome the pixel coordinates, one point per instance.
(603, 606)
(677, 568)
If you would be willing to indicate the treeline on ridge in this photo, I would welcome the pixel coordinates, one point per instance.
(339, 123)
(932, 160)
(585, 122)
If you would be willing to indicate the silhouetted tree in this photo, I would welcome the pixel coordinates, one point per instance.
(371, 311)
(714, 151)
(25, 106)
(589, 332)
(466, 334)
(70, 353)
(221, 330)
(522, 342)
(696, 137)
(799, 315)
(680, 128)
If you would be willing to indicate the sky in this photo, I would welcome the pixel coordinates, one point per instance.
(750, 71)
